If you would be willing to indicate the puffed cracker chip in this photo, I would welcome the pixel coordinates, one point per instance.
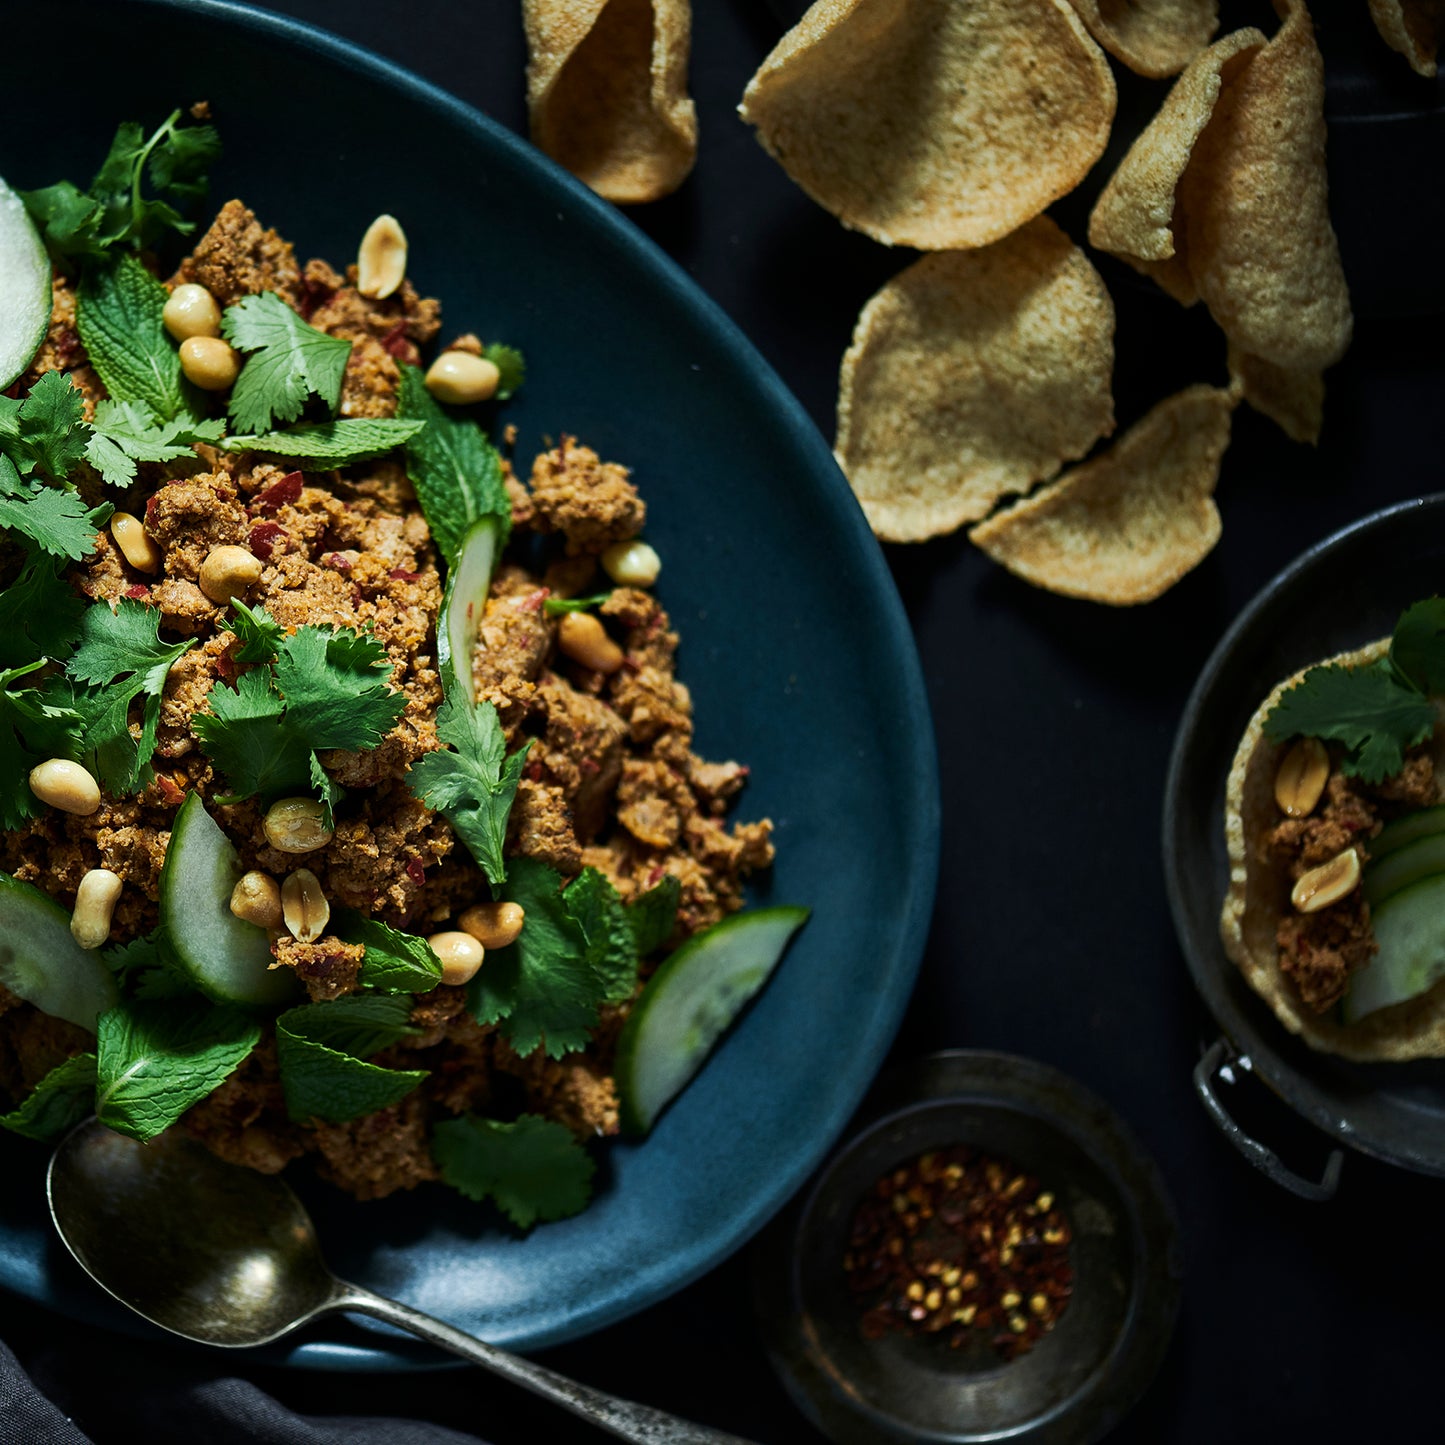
(1295, 400)
(1413, 27)
(1152, 37)
(1137, 214)
(1127, 525)
(607, 92)
(933, 123)
(971, 375)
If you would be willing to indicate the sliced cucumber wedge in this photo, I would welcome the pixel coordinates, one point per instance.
(689, 1002)
(464, 602)
(24, 287)
(228, 959)
(1410, 929)
(1403, 866)
(1393, 836)
(40, 961)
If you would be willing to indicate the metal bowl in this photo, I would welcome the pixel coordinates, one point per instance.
(1080, 1378)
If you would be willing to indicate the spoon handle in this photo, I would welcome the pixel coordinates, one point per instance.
(623, 1418)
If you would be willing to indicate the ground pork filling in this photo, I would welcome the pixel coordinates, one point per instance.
(611, 780)
(1319, 951)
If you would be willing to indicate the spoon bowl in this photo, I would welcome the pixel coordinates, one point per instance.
(225, 1256)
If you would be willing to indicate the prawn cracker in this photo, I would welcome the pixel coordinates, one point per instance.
(931, 123)
(1413, 27)
(1127, 525)
(1295, 400)
(607, 92)
(1152, 37)
(974, 374)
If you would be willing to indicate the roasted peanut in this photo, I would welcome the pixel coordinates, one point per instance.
(631, 564)
(459, 378)
(494, 925)
(304, 908)
(1326, 884)
(95, 901)
(228, 572)
(65, 785)
(210, 363)
(135, 544)
(256, 898)
(381, 261)
(583, 638)
(460, 953)
(191, 310)
(294, 825)
(1303, 772)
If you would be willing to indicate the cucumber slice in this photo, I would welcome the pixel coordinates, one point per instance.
(40, 961)
(1410, 929)
(228, 959)
(24, 287)
(464, 602)
(1405, 830)
(688, 1003)
(1403, 866)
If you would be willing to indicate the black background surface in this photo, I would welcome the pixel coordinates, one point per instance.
(1054, 719)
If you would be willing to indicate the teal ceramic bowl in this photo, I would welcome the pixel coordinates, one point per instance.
(795, 645)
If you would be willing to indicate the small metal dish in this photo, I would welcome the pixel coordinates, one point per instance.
(1081, 1378)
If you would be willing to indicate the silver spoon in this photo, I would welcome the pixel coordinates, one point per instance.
(225, 1256)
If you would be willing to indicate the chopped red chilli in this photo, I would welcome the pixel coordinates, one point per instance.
(959, 1244)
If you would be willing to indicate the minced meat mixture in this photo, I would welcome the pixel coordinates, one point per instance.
(611, 780)
(1318, 951)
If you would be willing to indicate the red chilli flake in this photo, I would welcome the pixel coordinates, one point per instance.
(263, 538)
(958, 1244)
(416, 870)
(137, 592)
(314, 294)
(399, 345)
(533, 770)
(271, 499)
(171, 792)
(337, 561)
(400, 574)
(533, 601)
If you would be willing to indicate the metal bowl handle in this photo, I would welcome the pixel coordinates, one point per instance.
(1263, 1158)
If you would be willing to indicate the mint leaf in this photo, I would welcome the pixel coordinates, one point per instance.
(472, 787)
(321, 445)
(542, 989)
(289, 360)
(157, 1057)
(513, 366)
(126, 432)
(321, 1049)
(533, 1169)
(40, 612)
(32, 728)
(394, 962)
(54, 519)
(64, 1097)
(118, 315)
(556, 606)
(261, 635)
(456, 471)
(653, 915)
(611, 945)
(1368, 709)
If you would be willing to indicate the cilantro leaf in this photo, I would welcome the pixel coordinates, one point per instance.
(513, 366)
(556, 606)
(33, 727)
(261, 635)
(1417, 648)
(599, 911)
(246, 738)
(289, 359)
(40, 612)
(157, 1057)
(456, 471)
(542, 989)
(64, 1097)
(534, 1169)
(145, 967)
(317, 446)
(653, 915)
(473, 786)
(394, 962)
(1369, 709)
(55, 519)
(322, 1049)
(118, 315)
(126, 432)
(45, 432)
(335, 685)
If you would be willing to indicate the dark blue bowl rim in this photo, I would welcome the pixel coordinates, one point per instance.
(914, 762)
